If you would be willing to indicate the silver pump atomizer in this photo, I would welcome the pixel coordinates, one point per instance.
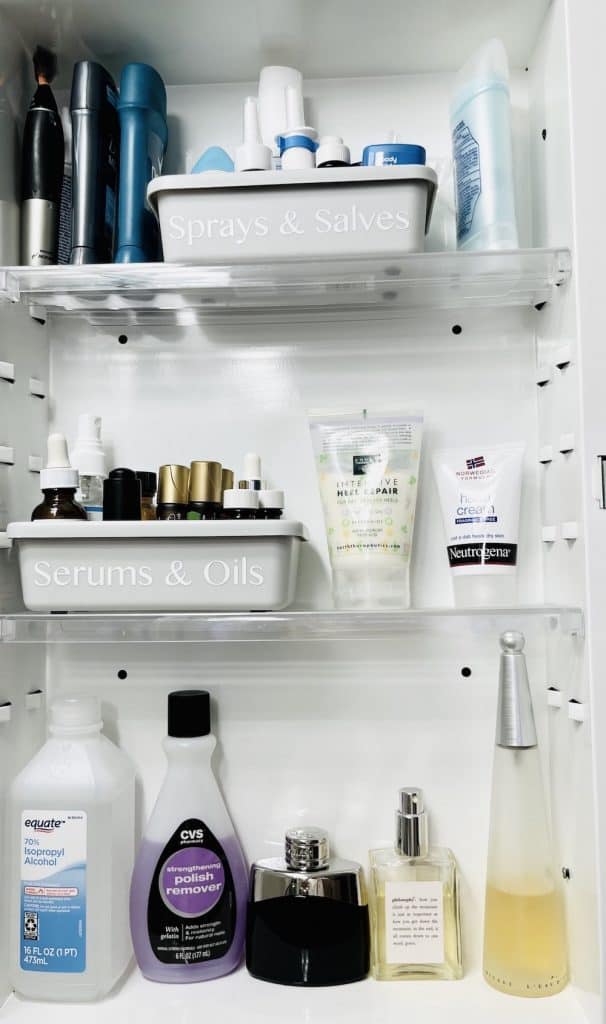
(412, 831)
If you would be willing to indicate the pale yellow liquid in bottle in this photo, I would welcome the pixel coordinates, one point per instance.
(524, 942)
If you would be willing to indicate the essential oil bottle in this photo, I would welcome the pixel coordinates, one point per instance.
(271, 504)
(240, 504)
(148, 493)
(205, 489)
(58, 483)
(122, 496)
(173, 488)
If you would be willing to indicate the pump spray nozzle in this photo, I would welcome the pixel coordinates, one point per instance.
(252, 155)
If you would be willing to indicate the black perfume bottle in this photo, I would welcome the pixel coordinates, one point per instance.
(307, 918)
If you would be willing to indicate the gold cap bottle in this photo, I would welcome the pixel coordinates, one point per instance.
(205, 480)
(227, 480)
(173, 484)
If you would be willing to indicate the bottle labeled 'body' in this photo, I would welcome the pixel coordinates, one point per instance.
(188, 893)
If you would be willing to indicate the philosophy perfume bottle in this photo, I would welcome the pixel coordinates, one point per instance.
(414, 902)
(307, 921)
(524, 933)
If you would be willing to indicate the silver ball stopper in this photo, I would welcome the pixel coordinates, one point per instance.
(512, 642)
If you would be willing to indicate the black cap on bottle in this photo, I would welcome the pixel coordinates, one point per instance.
(121, 495)
(188, 713)
(149, 482)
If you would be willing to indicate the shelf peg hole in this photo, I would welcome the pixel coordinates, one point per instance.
(466, 671)
(34, 700)
(122, 339)
(456, 329)
(122, 674)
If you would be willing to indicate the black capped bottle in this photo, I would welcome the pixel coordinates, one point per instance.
(188, 892)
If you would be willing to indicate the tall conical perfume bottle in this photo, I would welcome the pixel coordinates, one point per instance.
(524, 932)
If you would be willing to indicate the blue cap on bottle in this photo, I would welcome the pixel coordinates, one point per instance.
(392, 153)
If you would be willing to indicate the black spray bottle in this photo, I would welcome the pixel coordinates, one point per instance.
(41, 168)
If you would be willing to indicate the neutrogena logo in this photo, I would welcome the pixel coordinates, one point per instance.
(45, 825)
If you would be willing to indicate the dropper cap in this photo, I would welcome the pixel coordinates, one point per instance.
(252, 155)
(58, 472)
(251, 477)
(515, 717)
(412, 833)
(88, 456)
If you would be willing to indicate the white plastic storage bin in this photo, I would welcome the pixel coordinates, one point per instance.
(260, 215)
(161, 566)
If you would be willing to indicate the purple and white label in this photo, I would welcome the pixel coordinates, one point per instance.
(191, 912)
(192, 881)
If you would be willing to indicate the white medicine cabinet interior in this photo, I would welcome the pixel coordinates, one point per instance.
(322, 715)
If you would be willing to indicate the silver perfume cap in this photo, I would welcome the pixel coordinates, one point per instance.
(307, 870)
(515, 718)
(412, 832)
(307, 849)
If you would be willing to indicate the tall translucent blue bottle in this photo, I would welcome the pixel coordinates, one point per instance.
(143, 139)
(480, 122)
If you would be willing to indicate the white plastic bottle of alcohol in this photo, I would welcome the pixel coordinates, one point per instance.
(71, 833)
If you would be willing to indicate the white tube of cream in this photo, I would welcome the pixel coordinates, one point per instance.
(479, 492)
(368, 469)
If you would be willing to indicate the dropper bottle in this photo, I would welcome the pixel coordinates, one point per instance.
(58, 483)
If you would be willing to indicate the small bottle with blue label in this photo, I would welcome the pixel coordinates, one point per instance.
(71, 822)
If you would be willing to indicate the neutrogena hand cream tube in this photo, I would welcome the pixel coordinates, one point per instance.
(479, 490)
(368, 469)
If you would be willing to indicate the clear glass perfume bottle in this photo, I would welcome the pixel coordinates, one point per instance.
(524, 933)
(415, 902)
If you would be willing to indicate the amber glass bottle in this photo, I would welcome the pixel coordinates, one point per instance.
(58, 483)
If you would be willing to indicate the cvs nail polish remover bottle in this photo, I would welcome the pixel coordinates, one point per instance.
(189, 887)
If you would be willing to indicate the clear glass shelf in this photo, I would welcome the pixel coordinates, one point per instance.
(243, 627)
(168, 293)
